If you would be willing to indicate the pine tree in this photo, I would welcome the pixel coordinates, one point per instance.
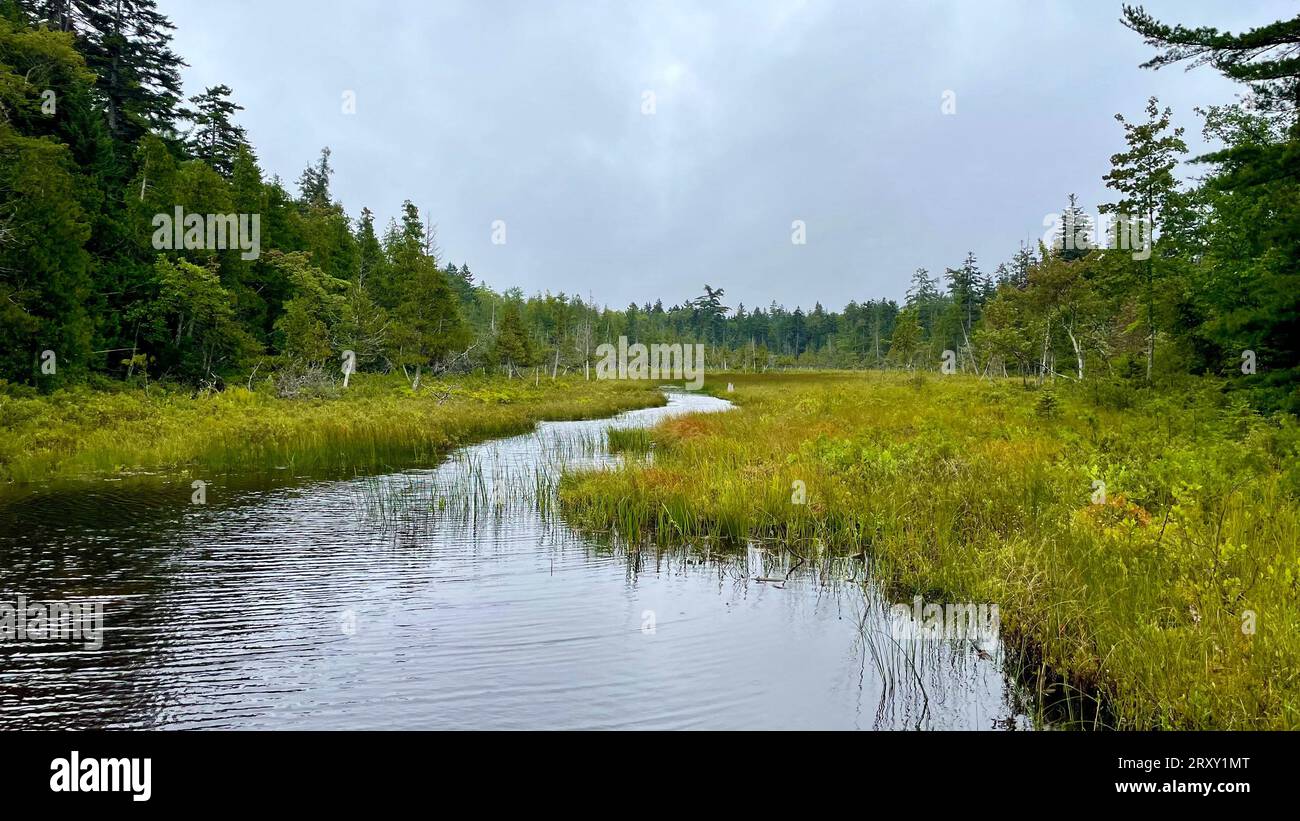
(1075, 238)
(1018, 271)
(1144, 177)
(215, 139)
(127, 44)
(370, 254)
(922, 294)
(427, 327)
(709, 313)
(314, 182)
(462, 282)
(1264, 57)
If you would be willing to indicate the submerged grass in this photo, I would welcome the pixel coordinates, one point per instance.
(1143, 547)
(377, 423)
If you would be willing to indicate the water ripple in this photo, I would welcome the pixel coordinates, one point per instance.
(307, 607)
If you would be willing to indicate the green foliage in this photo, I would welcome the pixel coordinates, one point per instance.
(954, 484)
(215, 138)
(906, 340)
(305, 330)
(512, 349)
(191, 322)
(81, 186)
(378, 423)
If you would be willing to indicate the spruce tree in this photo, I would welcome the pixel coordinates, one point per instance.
(215, 139)
(127, 44)
(314, 182)
(1075, 238)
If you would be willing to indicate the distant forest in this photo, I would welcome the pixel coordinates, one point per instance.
(97, 139)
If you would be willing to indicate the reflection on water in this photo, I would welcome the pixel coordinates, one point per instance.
(453, 598)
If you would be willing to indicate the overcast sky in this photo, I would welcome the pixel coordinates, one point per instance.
(764, 113)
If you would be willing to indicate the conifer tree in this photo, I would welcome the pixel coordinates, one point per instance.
(1264, 57)
(215, 139)
(314, 182)
(1143, 175)
(512, 349)
(127, 44)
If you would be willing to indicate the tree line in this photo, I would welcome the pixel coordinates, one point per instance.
(97, 141)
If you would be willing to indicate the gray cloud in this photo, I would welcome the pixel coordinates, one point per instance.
(766, 112)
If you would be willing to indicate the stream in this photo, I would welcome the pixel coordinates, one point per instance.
(453, 598)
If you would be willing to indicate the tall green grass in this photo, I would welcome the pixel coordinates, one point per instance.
(628, 440)
(1138, 607)
(378, 423)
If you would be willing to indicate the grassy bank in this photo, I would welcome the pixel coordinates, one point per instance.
(1171, 591)
(378, 422)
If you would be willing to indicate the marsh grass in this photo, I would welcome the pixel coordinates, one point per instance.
(377, 424)
(628, 440)
(1131, 612)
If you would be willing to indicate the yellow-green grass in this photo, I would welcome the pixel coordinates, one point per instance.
(961, 489)
(376, 423)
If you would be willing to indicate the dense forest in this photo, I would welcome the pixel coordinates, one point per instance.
(98, 145)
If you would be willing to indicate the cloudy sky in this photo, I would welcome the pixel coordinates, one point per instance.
(764, 112)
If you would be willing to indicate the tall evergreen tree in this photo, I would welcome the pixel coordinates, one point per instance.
(215, 139)
(127, 44)
(1075, 238)
(1143, 175)
(370, 254)
(314, 182)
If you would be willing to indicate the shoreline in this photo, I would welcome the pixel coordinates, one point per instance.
(85, 435)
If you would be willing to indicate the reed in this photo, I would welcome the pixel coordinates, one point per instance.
(628, 440)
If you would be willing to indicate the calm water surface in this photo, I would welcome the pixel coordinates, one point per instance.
(452, 598)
